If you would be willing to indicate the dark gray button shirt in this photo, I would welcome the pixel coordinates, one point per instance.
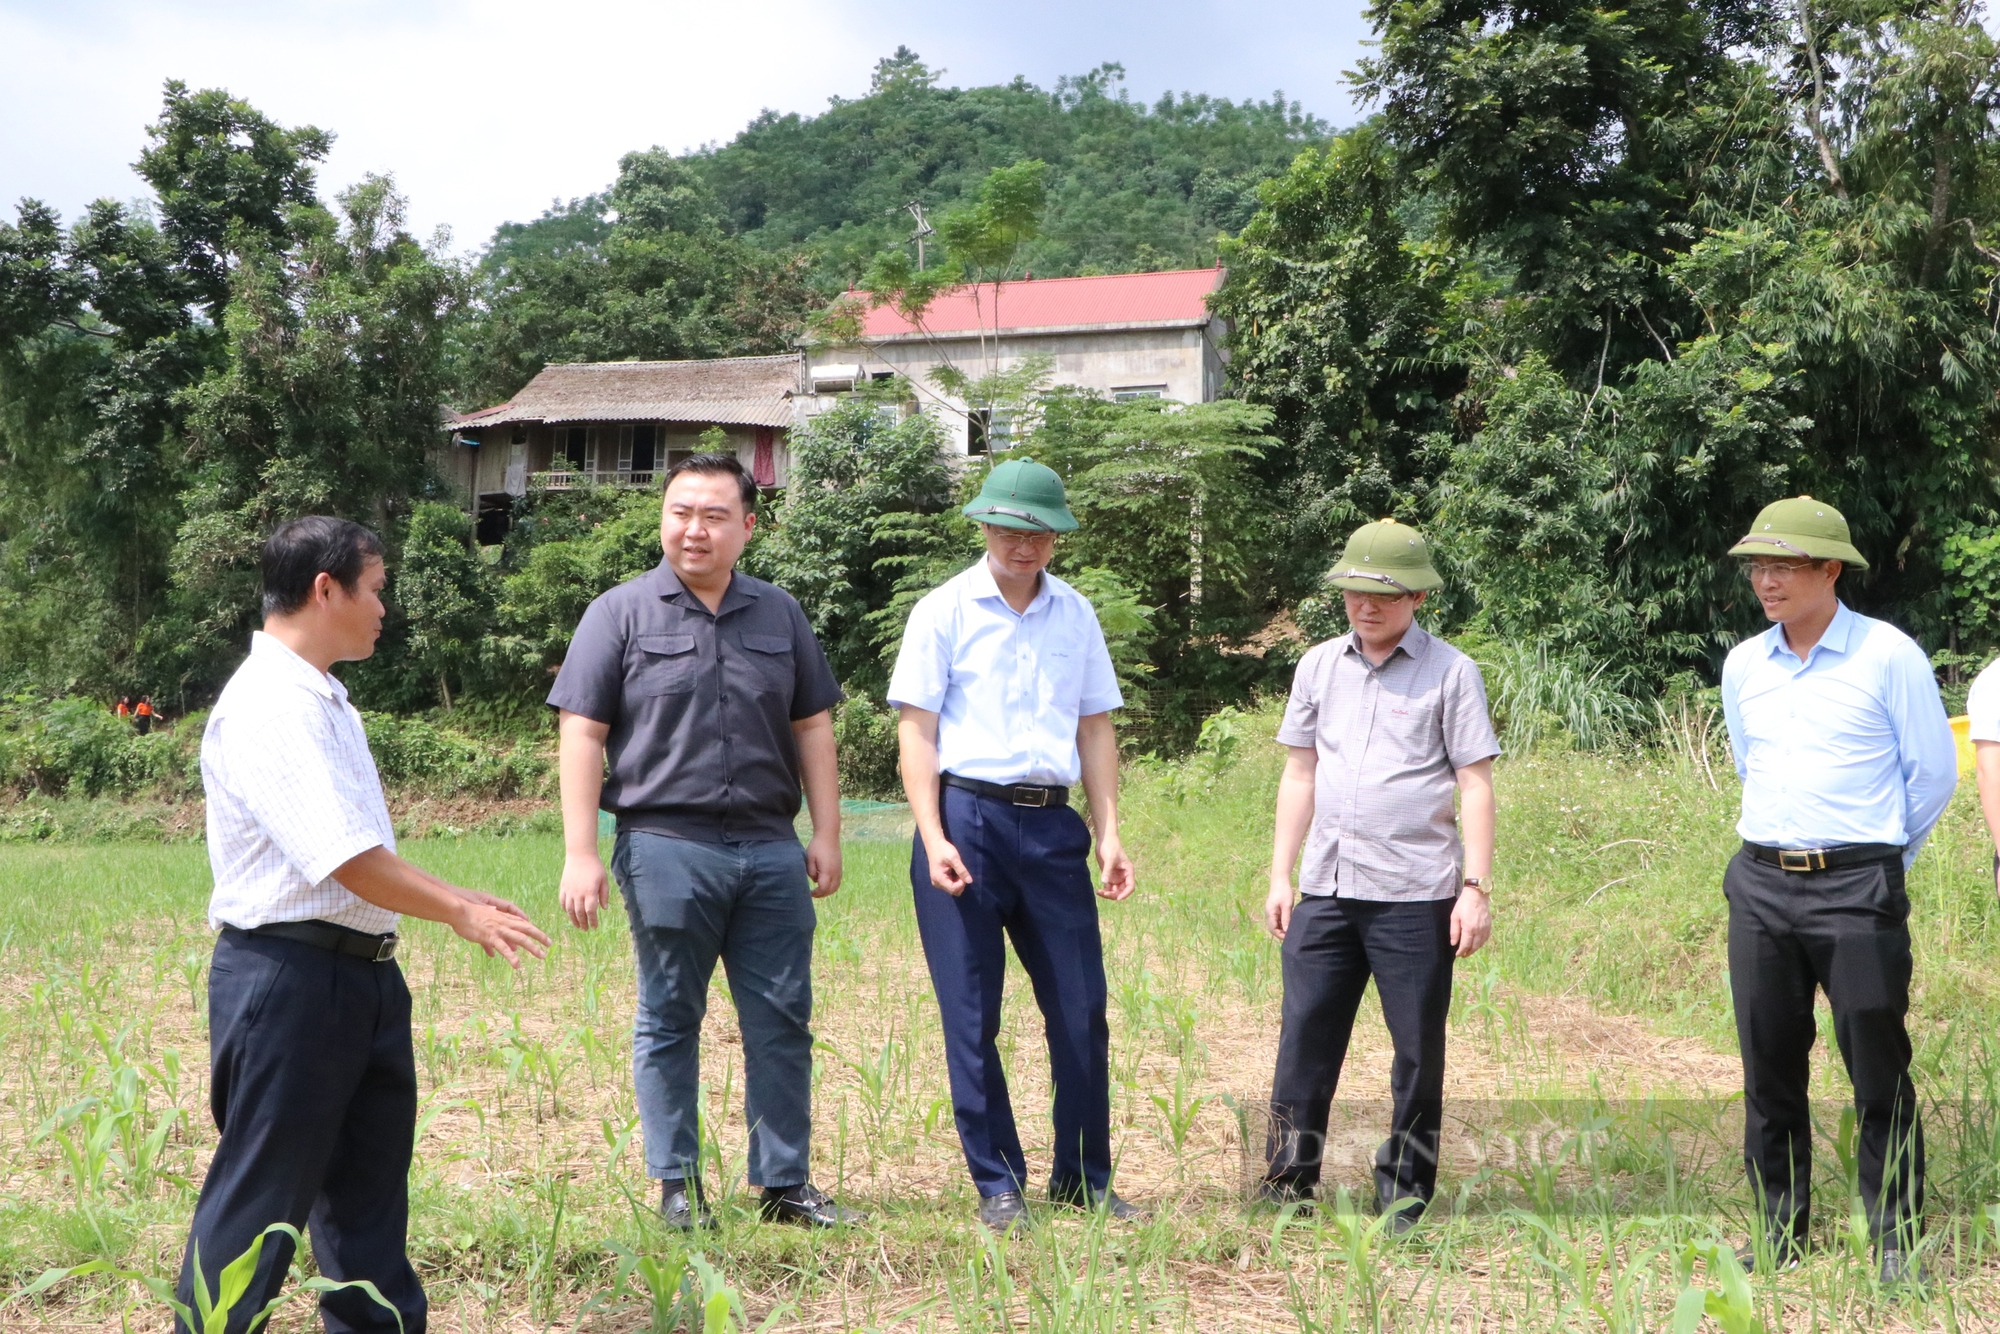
(701, 704)
(1390, 741)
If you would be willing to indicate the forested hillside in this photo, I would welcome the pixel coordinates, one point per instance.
(725, 251)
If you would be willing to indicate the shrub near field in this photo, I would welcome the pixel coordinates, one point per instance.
(1600, 1008)
(71, 770)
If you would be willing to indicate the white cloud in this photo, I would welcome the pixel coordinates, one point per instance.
(486, 111)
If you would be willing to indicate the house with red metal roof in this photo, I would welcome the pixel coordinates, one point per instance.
(1128, 335)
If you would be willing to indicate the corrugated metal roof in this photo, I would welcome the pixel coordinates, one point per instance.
(744, 391)
(1179, 296)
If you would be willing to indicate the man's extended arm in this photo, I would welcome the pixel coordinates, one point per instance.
(1294, 822)
(495, 925)
(580, 776)
(819, 770)
(1478, 813)
(1097, 749)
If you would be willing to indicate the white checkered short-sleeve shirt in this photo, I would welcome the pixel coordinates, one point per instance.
(292, 794)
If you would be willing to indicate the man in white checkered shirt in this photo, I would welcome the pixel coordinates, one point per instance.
(313, 1080)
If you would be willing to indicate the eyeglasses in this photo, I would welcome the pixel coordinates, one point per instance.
(1017, 537)
(1375, 599)
(1758, 567)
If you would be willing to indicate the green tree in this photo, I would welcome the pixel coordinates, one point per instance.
(444, 589)
(865, 493)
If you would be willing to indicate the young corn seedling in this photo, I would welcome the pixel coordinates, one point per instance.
(213, 1306)
(1733, 1307)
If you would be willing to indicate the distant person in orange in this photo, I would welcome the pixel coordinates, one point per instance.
(124, 709)
(143, 715)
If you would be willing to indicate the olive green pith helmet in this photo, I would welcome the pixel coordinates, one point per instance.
(1025, 495)
(1801, 526)
(1385, 557)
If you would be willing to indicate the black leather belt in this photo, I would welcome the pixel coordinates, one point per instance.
(339, 939)
(1021, 794)
(1822, 859)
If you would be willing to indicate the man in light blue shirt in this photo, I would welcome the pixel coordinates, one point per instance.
(1006, 691)
(1847, 762)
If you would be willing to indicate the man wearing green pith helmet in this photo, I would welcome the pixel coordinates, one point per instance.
(1847, 762)
(1006, 691)
(1386, 726)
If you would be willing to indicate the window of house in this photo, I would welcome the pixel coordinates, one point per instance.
(645, 448)
(978, 430)
(574, 446)
(879, 376)
(1132, 391)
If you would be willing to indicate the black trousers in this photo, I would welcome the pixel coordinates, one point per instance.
(1846, 931)
(1332, 947)
(314, 1088)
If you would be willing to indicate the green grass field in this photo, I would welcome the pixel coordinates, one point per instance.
(1590, 1152)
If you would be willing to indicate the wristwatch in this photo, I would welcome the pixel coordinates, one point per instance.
(1481, 883)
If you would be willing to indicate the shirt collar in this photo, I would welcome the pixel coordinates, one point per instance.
(1838, 636)
(1416, 641)
(271, 652)
(984, 585)
(740, 593)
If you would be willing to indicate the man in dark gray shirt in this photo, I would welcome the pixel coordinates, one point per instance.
(709, 696)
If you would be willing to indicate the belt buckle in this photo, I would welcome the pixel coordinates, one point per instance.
(1800, 860)
(385, 951)
(1023, 793)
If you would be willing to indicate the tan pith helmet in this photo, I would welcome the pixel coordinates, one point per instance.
(1804, 527)
(1385, 557)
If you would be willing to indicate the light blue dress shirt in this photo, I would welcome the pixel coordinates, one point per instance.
(1849, 746)
(1007, 686)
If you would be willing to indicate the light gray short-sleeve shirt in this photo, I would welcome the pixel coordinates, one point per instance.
(1390, 740)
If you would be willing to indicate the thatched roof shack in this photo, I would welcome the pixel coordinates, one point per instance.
(621, 423)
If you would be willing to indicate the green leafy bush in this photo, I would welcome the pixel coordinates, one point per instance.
(864, 734)
(414, 755)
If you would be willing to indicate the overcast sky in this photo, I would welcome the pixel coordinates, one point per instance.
(484, 112)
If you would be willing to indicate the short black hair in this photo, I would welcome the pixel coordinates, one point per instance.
(302, 550)
(718, 465)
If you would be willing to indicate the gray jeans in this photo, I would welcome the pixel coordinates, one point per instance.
(749, 904)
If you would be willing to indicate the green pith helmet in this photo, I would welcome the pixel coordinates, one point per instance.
(1385, 557)
(1023, 494)
(1800, 527)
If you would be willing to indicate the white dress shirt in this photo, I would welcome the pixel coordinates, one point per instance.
(1007, 686)
(1982, 704)
(292, 794)
(1849, 746)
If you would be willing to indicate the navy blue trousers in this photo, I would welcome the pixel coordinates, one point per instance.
(313, 1085)
(1332, 947)
(1031, 883)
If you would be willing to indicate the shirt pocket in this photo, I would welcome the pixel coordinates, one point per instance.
(1409, 730)
(771, 667)
(664, 665)
(1062, 676)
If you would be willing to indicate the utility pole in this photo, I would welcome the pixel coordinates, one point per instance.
(924, 229)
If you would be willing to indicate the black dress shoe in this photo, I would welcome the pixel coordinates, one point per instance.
(1110, 1203)
(1004, 1212)
(1782, 1255)
(1278, 1194)
(1403, 1220)
(807, 1206)
(682, 1210)
(1901, 1270)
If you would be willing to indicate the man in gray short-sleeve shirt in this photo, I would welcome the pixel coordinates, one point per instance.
(1386, 725)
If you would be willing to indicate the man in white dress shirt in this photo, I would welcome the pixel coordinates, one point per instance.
(1006, 691)
(313, 1081)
